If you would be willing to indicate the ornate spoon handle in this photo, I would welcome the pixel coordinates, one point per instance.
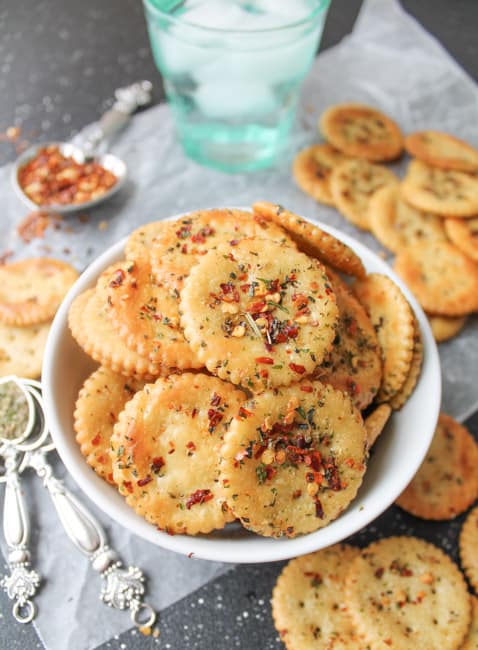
(22, 582)
(122, 588)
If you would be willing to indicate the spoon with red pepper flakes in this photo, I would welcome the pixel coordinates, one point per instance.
(67, 176)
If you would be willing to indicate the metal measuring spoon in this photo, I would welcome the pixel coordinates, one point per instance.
(86, 147)
(17, 424)
(123, 587)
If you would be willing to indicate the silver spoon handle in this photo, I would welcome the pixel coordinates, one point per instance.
(122, 588)
(22, 583)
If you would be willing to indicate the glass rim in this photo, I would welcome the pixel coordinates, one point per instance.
(321, 6)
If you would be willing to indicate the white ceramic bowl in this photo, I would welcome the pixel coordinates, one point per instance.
(395, 459)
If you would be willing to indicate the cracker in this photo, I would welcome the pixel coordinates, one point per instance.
(397, 224)
(186, 240)
(308, 601)
(376, 421)
(361, 131)
(393, 321)
(471, 641)
(468, 544)
(464, 234)
(31, 290)
(165, 451)
(442, 150)
(293, 459)
(402, 395)
(21, 349)
(353, 183)
(146, 315)
(312, 168)
(258, 313)
(446, 327)
(442, 278)
(140, 241)
(447, 482)
(442, 191)
(93, 331)
(313, 240)
(403, 592)
(354, 365)
(100, 400)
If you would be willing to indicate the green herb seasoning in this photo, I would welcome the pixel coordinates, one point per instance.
(14, 411)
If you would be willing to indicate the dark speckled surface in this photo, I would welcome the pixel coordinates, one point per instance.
(60, 61)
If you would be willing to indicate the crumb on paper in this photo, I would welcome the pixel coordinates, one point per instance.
(146, 630)
(83, 218)
(156, 633)
(34, 225)
(5, 256)
(103, 225)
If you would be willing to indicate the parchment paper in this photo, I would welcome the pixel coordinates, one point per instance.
(388, 61)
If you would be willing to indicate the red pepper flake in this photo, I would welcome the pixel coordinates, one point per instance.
(184, 232)
(110, 477)
(300, 370)
(319, 511)
(296, 494)
(96, 440)
(267, 360)
(194, 412)
(306, 389)
(264, 374)
(234, 242)
(144, 481)
(379, 572)
(244, 413)
(216, 400)
(256, 307)
(245, 288)
(190, 554)
(157, 463)
(35, 223)
(352, 387)
(214, 417)
(128, 485)
(200, 496)
(118, 278)
(241, 455)
(191, 446)
(184, 249)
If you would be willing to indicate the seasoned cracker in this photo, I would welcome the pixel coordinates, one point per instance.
(21, 349)
(353, 184)
(258, 313)
(446, 327)
(101, 399)
(312, 168)
(403, 592)
(354, 365)
(471, 641)
(397, 224)
(165, 452)
(468, 545)
(93, 331)
(447, 482)
(313, 240)
(293, 459)
(140, 241)
(442, 191)
(361, 131)
(442, 150)
(401, 396)
(186, 240)
(31, 290)
(442, 278)
(464, 234)
(146, 315)
(393, 321)
(308, 601)
(376, 421)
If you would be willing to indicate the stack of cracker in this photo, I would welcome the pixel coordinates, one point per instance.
(429, 220)
(30, 293)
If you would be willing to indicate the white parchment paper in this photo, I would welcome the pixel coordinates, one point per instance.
(388, 61)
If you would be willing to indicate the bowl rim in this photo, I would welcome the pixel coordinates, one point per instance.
(221, 548)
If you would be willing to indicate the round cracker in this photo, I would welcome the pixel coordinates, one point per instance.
(140, 241)
(354, 364)
(446, 327)
(464, 234)
(258, 313)
(376, 421)
(91, 328)
(361, 131)
(442, 150)
(31, 290)
(442, 278)
(100, 400)
(186, 240)
(165, 451)
(313, 240)
(402, 395)
(146, 315)
(403, 592)
(393, 321)
(312, 168)
(353, 183)
(447, 482)
(293, 459)
(397, 224)
(308, 601)
(442, 191)
(471, 641)
(468, 544)
(21, 349)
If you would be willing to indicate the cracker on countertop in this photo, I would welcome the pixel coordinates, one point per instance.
(312, 168)
(442, 150)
